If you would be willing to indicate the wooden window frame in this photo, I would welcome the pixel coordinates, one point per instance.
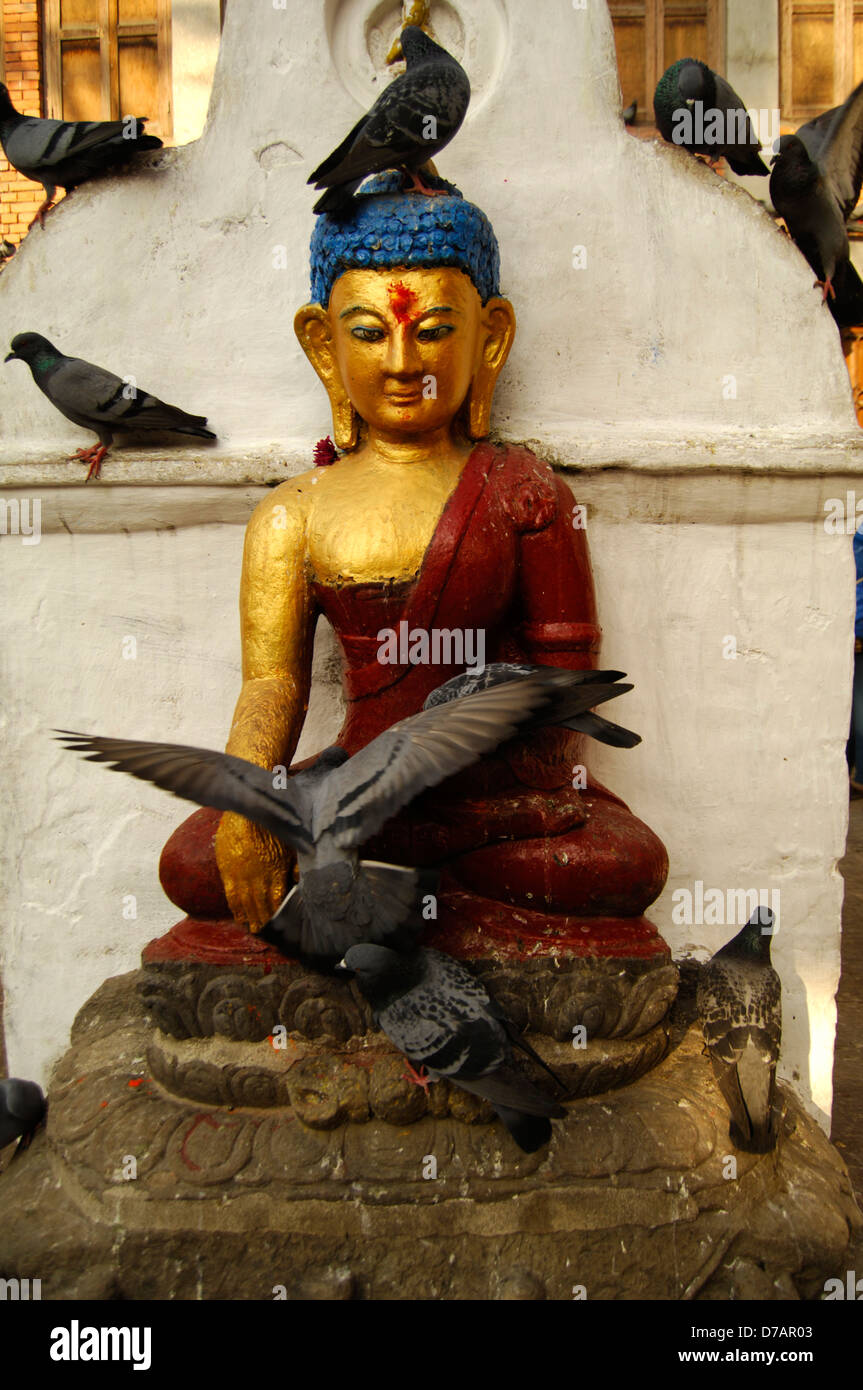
(654, 34)
(53, 34)
(843, 53)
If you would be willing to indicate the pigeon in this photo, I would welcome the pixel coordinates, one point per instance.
(581, 721)
(720, 126)
(328, 811)
(740, 1006)
(64, 154)
(630, 113)
(22, 1109)
(445, 1022)
(98, 400)
(415, 117)
(7, 250)
(815, 184)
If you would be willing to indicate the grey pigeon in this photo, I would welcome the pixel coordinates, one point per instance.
(630, 113)
(740, 1006)
(443, 1020)
(98, 400)
(329, 810)
(815, 185)
(689, 93)
(413, 118)
(22, 1109)
(7, 250)
(581, 721)
(64, 154)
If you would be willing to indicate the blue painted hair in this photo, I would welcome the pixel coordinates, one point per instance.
(388, 229)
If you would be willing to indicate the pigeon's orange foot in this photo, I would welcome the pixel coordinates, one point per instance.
(826, 287)
(417, 1078)
(419, 186)
(94, 456)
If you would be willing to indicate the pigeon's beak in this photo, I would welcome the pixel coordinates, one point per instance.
(10, 357)
(343, 969)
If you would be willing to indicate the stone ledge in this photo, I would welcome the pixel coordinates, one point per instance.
(630, 1198)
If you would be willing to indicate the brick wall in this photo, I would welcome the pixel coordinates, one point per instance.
(19, 197)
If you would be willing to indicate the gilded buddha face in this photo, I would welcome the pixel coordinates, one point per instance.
(403, 349)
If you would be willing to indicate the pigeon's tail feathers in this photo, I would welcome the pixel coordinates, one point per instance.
(749, 1089)
(753, 164)
(397, 895)
(520, 1041)
(571, 706)
(525, 1111)
(530, 1132)
(157, 415)
(603, 730)
(338, 201)
(285, 928)
(320, 177)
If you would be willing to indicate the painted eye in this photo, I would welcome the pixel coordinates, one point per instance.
(367, 335)
(431, 335)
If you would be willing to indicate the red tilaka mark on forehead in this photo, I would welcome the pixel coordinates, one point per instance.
(402, 301)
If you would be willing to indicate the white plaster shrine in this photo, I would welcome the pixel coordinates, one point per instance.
(687, 376)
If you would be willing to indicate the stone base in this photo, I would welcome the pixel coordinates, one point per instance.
(632, 1198)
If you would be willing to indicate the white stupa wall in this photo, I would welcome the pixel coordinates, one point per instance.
(680, 366)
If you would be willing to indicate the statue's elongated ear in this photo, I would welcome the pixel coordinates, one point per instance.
(498, 331)
(312, 327)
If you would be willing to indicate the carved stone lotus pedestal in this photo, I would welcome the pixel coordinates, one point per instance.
(239, 1193)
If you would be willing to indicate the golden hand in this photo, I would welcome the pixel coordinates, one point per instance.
(255, 869)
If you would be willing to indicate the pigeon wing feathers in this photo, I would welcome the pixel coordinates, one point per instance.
(841, 155)
(393, 131)
(422, 751)
(726, 99)
(84, 388)
(204, 776)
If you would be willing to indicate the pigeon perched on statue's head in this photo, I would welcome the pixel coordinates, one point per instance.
(723, 122)
(413, 118)
(326, 812)
(22, 1109)
(98, 400)
(64, 154)
(740, 1006)
(815, 183)
(443, 1020)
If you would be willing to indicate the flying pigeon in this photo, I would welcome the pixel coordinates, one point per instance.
(22, 1109)
(815, 184)
(98, 400)
(580, 720)
(721, 121)
(413, 118)
(740, 1006)
(64, 154)
(328, 811)
(443, 1020)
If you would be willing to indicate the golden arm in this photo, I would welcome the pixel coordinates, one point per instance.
(277, 629)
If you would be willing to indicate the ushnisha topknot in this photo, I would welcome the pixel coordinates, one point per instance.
(390, 229)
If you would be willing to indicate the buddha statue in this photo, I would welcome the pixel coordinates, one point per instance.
(415, 525)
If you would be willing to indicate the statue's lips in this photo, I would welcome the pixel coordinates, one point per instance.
(406, 398)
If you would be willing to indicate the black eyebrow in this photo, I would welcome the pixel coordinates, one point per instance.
(360, 309)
